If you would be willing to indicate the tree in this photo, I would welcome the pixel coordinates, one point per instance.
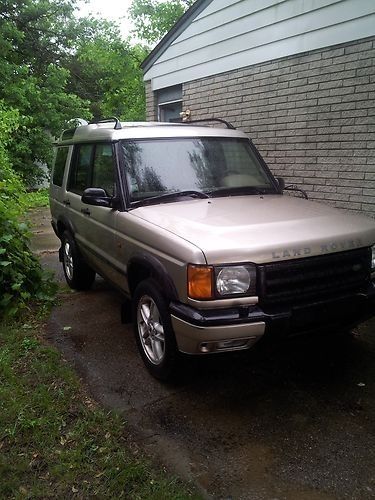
(54, 67)
(153, 19)
(35, 35)
(106, 72)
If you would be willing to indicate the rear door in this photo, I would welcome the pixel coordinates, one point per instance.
(58, 181)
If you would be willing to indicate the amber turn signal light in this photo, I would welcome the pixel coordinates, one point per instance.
(200, 282)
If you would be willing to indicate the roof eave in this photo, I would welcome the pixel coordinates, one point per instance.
(184, 21)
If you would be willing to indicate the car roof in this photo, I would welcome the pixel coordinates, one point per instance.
(108, 132)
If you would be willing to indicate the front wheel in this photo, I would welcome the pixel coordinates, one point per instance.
(153, 331)
(78, 274)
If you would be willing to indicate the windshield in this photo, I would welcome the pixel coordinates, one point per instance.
(210, 165)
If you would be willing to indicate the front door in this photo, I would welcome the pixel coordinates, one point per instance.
(94, 166)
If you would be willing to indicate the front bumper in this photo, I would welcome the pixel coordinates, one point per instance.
(203, 331)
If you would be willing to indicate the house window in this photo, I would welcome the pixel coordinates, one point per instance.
(170, 111)
(169, 104)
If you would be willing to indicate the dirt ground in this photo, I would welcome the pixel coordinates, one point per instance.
(291, 420)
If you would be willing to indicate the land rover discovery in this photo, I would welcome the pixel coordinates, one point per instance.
(190, 224)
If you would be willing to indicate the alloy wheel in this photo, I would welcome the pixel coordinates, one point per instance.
(150, 330)
(68, 260)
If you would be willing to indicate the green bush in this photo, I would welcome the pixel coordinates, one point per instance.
(22, 280)
(36, 199)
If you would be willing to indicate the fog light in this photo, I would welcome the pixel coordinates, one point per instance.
(204, 347)
(227, 345)
(231, 344)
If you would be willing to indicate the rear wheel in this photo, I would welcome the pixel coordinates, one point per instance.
(153, 331)
(78, 274)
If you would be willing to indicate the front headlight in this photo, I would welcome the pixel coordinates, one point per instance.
(210, 282)
(235, 280)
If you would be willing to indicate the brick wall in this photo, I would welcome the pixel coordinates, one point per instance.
(312, 116)
(151, 113)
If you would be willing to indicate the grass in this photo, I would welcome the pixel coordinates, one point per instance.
(55, 441)
(35, 199)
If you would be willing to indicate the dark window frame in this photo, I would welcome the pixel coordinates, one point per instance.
(61, 174)
(73, 165)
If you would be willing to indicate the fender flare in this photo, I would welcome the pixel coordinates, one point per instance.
(156, 270)
(66, 223)
(68, 227)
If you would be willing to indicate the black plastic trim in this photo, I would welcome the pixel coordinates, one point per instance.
(345, 311)
(287, 271)
(67, 224)
(54, 227)
(293, 187)
(108, 120)
(210, 120)
(156, 270)
(120, 175)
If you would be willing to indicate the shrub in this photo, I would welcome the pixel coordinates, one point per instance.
(22, 280)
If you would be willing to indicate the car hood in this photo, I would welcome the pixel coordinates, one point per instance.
(260, 228)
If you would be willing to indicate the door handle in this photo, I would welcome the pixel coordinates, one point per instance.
(66, 203)
(85, 211)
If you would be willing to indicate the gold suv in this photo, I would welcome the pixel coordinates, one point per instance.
(208, 248)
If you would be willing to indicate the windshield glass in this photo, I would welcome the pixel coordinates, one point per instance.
(210, 164)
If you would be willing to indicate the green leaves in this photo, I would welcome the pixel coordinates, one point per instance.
(106, 71)
(54, 68)
(21, 277)
(153, 19)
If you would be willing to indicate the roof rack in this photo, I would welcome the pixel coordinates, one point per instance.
(107, 120)
(220, 120)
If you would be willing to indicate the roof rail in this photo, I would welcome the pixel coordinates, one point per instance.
(107, 120)
(220, 120)
(67, 134)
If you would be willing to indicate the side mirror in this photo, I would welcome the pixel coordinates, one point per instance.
(97, 197)
(281, 183)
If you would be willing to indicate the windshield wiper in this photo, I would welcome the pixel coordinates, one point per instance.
(170, 196)
(240, 190)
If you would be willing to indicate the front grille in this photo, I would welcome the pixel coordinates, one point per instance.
(314, 278)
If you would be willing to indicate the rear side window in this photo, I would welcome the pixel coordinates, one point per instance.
(59, 167)
(80, 174)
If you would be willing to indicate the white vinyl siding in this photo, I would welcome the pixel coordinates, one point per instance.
(229, 35)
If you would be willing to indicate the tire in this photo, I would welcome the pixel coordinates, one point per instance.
(153, 331)
(78, 274)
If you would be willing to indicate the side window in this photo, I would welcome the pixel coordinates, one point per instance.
(79, 178)
(103, 173)
(59, 167)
